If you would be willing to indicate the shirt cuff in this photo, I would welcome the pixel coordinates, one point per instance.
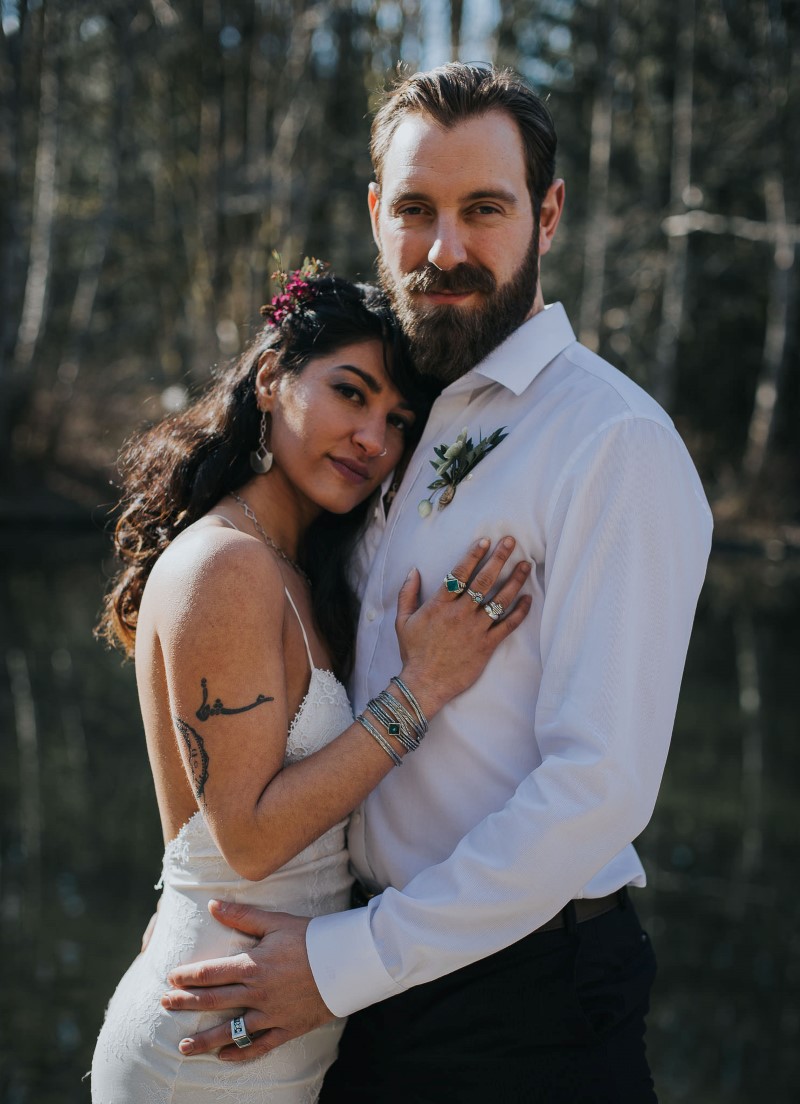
(345, 963)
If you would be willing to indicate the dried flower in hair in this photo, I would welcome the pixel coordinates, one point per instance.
(296, 289)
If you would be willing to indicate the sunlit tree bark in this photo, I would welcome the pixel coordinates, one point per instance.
(675, 269)
(38, 273)
(596, 227)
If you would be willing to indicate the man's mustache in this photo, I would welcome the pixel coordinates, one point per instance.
(460, 280)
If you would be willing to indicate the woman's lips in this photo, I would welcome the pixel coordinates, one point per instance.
(352, 470)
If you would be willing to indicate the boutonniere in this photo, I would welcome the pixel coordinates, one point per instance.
(454, 463)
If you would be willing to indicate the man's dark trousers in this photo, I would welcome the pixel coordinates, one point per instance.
(557, 1017)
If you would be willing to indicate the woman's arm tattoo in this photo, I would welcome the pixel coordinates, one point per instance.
(197, 755)
(217, 708)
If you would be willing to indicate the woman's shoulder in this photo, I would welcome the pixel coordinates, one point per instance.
(214, 571)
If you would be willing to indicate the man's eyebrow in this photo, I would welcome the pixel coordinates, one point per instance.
(493, 193)
(500, 194)
(371, 382)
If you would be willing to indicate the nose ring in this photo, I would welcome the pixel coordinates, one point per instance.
(382, 453)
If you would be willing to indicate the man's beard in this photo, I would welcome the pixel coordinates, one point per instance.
(447, 341)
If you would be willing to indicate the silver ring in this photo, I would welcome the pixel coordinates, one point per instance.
(495, 610)
(476, 596)
(239, 1033)
(454, 585)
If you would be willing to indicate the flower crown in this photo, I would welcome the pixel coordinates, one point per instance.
(296, 290)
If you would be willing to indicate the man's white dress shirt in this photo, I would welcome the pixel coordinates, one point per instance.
(531, 785)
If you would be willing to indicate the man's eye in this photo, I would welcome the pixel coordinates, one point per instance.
(410, 212)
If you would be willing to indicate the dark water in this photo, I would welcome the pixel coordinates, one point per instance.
(80, 844)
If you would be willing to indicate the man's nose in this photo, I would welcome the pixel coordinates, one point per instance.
(448, 249)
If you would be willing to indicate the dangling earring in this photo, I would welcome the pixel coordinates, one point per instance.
(261, 458)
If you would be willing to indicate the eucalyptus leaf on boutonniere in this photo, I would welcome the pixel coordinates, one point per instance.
(454, 463)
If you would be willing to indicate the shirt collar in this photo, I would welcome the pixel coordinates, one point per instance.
(517, 361)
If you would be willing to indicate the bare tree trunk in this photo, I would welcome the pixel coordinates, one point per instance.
(30, 799)
(596, 230)
(285, 227)
(94, 255)
(506, 51)
(257, 166)
(752, 745)
(11, 154)
(456, 22)
(674, 289)
(34, 301)
(204, 238)
(762, 420)
(775, 337)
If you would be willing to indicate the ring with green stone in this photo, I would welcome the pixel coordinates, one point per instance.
(454, 585)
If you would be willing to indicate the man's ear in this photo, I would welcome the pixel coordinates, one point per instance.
(373, 201)
(550, 216)
(266, 378)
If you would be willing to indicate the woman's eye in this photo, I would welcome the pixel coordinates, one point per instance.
(399, 422)
(349, 392)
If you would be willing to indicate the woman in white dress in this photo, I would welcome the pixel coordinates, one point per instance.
(238, 520)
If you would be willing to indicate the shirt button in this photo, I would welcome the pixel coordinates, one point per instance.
(371, 614)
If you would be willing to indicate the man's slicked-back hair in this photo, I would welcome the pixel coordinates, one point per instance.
(459, 91)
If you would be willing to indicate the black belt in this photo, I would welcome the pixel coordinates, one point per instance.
(574, 912)
(585, 908)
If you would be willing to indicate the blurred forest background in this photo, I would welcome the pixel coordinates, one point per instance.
(153, 153)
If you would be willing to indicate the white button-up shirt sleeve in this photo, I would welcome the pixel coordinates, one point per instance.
(627, 536)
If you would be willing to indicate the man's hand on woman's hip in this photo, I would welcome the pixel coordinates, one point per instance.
(272, 982)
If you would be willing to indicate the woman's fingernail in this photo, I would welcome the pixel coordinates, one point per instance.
(410, 574)
(483, 542)
(508, 542)
(186, 1046)
(525, 567)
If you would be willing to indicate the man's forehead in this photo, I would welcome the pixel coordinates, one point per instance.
(480, 154)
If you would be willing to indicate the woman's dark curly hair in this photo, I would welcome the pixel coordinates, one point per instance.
(174, 472)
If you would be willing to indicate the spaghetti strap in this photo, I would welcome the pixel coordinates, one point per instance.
(221, 517)
(302, 626)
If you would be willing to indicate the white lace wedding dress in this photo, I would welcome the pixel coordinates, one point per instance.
(136, 1060)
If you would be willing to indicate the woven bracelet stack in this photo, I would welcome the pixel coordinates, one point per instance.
(406, 725)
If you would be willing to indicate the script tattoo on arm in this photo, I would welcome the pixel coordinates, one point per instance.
(217, 709)
(197, 754)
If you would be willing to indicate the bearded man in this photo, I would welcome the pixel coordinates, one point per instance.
(496, 952)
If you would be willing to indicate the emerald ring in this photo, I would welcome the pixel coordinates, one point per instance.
(454, 585)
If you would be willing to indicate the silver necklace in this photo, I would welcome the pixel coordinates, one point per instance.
(276, 548)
